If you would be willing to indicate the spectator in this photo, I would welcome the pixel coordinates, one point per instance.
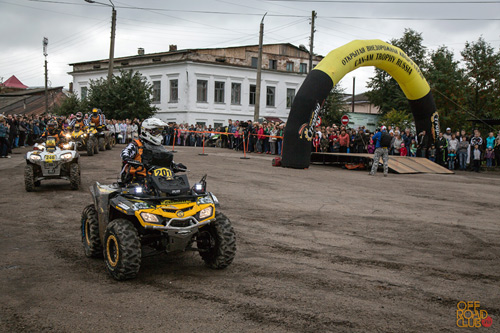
(462, 152)
(344, 141)
(432, 153)
(422, 144)
(476, 155)
(396, 144)
(360, 142)
(4, 138)
(441, 147)
(403, 151)
(413, 148)
(497, 151)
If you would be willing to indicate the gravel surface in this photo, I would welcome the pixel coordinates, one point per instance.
(318, 250)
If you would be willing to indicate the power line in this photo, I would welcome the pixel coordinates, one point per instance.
(389, 2)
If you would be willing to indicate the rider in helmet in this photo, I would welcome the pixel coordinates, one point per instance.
(78, 119)
(97, 118)
(148, 149)
(53, 130)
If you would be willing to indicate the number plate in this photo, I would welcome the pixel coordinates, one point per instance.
(163, 172)
(50, 158)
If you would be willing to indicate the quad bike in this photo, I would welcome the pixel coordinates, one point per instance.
(92, 136)
(161, 214)
(105, 139)
(48, 161)
(83, 140)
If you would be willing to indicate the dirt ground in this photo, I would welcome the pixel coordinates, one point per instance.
(318, 250)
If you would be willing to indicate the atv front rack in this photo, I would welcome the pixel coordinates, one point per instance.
(179, 231)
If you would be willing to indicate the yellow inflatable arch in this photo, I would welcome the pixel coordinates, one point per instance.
(319, 82)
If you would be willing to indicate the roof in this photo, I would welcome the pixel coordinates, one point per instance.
(30, 101)
(13, 82)
(359, 98)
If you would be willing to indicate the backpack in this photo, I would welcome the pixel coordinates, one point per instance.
(385, 140)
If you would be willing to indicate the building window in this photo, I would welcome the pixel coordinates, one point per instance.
(84, 92)
(156, 92)
(303, 68)
(219, 92)
(289, 66)
(254, 62)
(174, 90)
(270, 96)
(273, 64)
(236, 93)
(253, 90)
(290, 95)
(201, 90)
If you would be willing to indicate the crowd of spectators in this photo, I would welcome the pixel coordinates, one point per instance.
(454, 150)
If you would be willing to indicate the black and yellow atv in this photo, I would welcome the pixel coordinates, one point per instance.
(162, 213)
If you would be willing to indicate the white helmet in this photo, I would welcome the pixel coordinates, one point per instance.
(151, 130)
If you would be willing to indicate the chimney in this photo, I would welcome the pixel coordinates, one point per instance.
(140, 51)
(172, 48)
(71, 87)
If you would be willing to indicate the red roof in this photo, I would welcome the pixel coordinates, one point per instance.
(13, 82)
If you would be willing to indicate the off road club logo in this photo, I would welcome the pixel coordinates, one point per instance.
(306, 131)
(470, 315)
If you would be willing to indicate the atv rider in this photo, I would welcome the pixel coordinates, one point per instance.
(78, 120)
(148, 150)
(52, 130)
(97, 118)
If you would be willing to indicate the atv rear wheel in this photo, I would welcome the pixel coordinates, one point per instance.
(122, 249)
(74, 176)
(90, 148)
(90, 233)
(217, 242)
(102, 144)
(29, 178)
(108, 145)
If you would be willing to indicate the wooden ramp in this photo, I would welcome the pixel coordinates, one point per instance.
(398, 164)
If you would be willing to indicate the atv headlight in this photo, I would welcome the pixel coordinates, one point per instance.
(138, 190)
(205, 200)
(35, 158)
(68, 135)
(66, 146)
(199, 188)
(207, 212)
(66, 156)
(150, 218)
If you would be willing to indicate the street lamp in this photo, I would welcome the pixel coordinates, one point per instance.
(113, 30)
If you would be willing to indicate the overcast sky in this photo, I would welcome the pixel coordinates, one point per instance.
(79, 31)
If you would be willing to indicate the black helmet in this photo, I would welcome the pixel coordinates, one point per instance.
(52, 126)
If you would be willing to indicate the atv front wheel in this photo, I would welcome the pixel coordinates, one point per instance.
(102, 144)
(217, 242)
(29, 178)
(95, 145)
(90, 148)
(122, 249)
(74, 176)
(90, 233)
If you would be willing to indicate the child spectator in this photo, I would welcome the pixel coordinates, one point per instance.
(452, 155)
(462, 152)
(324, 143)
(490, 155)
(403, 151)
(413, 148)
(370, 148)
(432, 153)
(476, 154)
(336, 146)
(316, 142)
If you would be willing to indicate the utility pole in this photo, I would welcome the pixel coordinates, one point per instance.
(259, 72)
(311, 45)
(353, 91)
(112, 45)
(45, 44)
(113, 30)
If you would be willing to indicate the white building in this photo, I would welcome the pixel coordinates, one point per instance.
(211, 86)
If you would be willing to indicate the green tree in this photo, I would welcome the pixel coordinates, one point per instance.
(385, 91)
(447, 81)
(482, 71)
(69, 105)
(128, 96)
(334, 107)
(397, 118)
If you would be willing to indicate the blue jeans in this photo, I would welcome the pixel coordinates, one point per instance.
(451, 163)
(167, 139)
(462, 160)
(489, 162)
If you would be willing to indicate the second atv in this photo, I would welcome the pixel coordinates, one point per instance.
(161, 214)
